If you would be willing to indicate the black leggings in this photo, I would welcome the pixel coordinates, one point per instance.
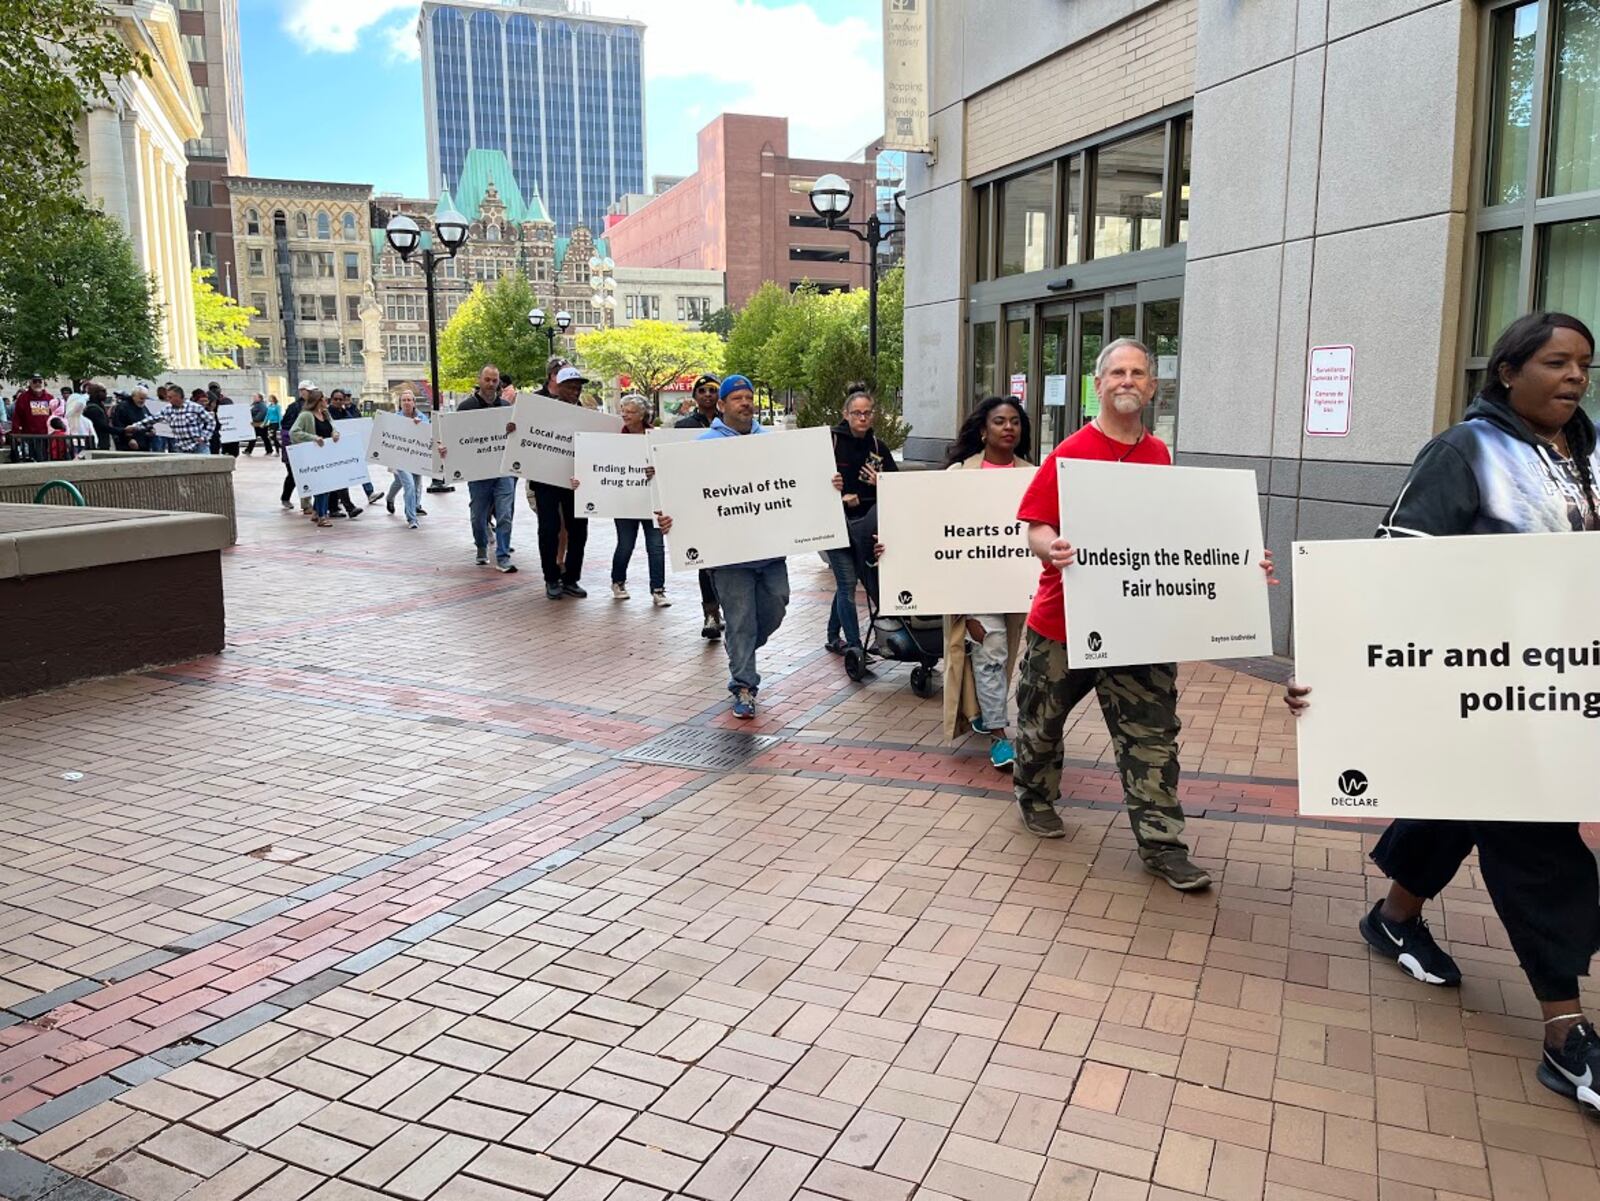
(708, 595)
(1540, 876)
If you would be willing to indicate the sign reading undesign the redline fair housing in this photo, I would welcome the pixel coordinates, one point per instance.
(1450, 677)
(329, 467)
(758, 496)
(1168, 564)
(953, 544)
(401, 444)
(472, 443)
(612, 476)
(541, 450)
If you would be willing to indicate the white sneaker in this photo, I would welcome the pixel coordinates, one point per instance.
(619, 592)
(659, 599)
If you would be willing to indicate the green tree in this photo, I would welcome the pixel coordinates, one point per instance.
(891, 369)
(61, 56)
(221, 322)
(719, 323)
(491, 326)
(781, 359)
(652, 354)
(752, 327)
(77, 304)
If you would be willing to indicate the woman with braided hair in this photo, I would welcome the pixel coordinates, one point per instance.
(1522, 461)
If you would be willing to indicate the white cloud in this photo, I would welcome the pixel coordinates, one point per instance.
(402, 40)
(337, 25)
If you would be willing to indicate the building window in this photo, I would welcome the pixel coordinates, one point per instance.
(694, 308)
(330, 350)
(258, 262)
(349, 225)
(352, 308)
(807, 221)
(630, 307)
(355, 346)
(301, 228)
(203, 95)
(302, 264)
(352, 265)
(1027, 221)
(403, 306)
(1128, 193)
(330, 308)
(801, 187)
(307, 307)
(264, 352)
(324, 261)
(817, 254)
(1537, 221)
(324, 227)
(258, 301)
(194, 47)
(252, 223)
(982, 217)
(311, 350)
(200, 193)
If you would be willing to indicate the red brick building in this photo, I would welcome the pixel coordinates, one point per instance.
(746, 212)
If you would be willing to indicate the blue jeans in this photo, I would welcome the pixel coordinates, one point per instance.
(408, 489)
(754, 598)
(655, 551)
(498, 495)
(320, 502)
(842, 618)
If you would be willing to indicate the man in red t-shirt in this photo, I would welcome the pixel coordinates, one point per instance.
(1140, 703)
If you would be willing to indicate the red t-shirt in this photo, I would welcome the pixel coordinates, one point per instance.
(1042, 502)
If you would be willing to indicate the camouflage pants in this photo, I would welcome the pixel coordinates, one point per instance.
(1141, 710)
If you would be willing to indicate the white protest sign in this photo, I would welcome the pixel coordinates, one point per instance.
(158, 409)
(329, 467)
(541, 450)
(471, 444)
(233, 423)
(760, 496)
(953, 544)
(401, 444)
(1450, 677)
(661, 437)
(1330, 380)
(612, 475)
(1168, 564)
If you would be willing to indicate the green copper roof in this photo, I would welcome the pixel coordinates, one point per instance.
(485, 167)
(601, 248)
(446, 204)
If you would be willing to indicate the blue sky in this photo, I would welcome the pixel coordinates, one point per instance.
(333, 89)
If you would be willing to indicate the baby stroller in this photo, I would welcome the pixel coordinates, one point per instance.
(918, 641)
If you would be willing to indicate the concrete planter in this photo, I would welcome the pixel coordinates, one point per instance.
(130, 480)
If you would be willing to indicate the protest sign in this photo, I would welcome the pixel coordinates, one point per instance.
(401, 444)
(612, 475)
(661, 437)
(329, 467)
(158, 409)
(1168, 564)
(471, 444)
(1451, 677)
(953, 544)
(233, 423)
(541, 450)
(761, 496)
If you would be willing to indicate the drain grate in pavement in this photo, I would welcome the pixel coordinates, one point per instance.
(697, 746)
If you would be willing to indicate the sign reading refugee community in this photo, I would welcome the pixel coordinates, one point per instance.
(471, 444)
(760, 496)
(1168, 564)
(953, 544)
(1450, 677)
(613, 476)
(401, 444)
(329, 467)
(542, 450)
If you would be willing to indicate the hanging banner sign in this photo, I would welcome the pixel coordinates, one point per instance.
(905, 75)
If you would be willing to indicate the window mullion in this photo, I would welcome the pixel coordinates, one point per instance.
(1538, 131)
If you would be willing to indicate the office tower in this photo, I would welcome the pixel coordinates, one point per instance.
(209, 31)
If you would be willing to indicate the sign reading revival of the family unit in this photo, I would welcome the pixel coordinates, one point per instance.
(1169, 564)
(952, 542)
(329, 467)
(760, 496)
(541, 450)
(472, 443)
(611, 475)
(1450, 677)
(402, 444)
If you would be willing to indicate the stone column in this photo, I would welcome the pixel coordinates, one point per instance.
(107, 173)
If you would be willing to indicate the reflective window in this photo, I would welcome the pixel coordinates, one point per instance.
(1027, 221)
(1128, 193)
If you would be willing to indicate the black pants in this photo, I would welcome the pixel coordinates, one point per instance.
(555, 506)
(288, 481)
(1540, 876)
(341, 497)
(708, 595)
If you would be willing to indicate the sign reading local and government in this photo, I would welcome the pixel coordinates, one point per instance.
(471, 444)
(1168, 565)
(1451, 677)
(329, 467)
(613, 477)
(401, 444)
(759, 496)
(542, 450)
(953, 544)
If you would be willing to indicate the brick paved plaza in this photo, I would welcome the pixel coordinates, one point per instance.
(389, 901)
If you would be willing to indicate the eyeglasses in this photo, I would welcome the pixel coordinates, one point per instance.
(862, 413)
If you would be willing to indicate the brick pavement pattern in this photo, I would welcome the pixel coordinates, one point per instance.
(386, 902)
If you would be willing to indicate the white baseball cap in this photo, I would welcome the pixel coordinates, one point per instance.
(567, 374)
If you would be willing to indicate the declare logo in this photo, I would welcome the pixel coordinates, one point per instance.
(1095, 641)
(456, 475)
(1352, 782)
(516, 467)
(905, 596)
(589, 508)
(691, 555)
(1353, 787)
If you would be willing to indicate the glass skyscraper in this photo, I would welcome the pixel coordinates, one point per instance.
(559, 91)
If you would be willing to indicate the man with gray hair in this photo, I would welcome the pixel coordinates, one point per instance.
(1140, 703)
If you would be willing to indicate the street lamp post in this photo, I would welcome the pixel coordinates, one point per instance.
(405, 238)
(536, 318)
(602, 280)
(831, 199)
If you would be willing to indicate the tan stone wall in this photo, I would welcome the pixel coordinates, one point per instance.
(1141, 65)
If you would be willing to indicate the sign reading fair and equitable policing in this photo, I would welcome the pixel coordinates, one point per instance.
(760, 496)
(612, 475)
(401, 444)
(1169, 564)
(1450, 677)
(471, 444)
(953, 544)
(541, 450)
(329, 467)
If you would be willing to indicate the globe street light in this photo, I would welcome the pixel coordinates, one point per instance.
(536, 318)
(831, 198)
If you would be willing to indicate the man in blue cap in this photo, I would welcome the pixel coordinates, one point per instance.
(706, 390)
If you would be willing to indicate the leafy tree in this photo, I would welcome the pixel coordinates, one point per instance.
(221, 322)
(61, 55)
(781, 360)
(491, 326)
(891, 373)
(77, 303)
(719, 323)
(752, 327)
(652, 354)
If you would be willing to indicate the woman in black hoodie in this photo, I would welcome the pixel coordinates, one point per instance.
(861, 457)
(1522, 461)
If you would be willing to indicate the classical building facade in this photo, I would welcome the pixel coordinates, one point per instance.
(132, 148)
(209, 30)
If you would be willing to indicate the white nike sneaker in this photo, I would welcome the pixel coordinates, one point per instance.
(1571, 1070)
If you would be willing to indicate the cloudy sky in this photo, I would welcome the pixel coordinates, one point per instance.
(333, 88)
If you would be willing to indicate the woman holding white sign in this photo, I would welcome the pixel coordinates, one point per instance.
(1522, 461)
(635, 413)
(314, 425)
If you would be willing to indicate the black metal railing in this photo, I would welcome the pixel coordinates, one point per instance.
(47, 448)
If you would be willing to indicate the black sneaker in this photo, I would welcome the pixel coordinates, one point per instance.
(1174, 866)
(389, 501)
(1042, 820)
(1411, 945)
(574, 590)
(506, 568)
(421, 512)
(1572, 1070)
(483, 558)
(554, 591)
(712, 629)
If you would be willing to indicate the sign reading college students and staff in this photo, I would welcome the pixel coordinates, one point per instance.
(613, 476)
(1168, 565)
(760, 496)
(331, 466)
(542, 449)
(473, 443)
(953, 544)
(401, 444)
(1450, 677)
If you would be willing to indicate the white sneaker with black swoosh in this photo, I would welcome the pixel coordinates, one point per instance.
(1571, 1071)
(1411, 945)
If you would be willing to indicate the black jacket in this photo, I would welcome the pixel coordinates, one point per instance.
(694, 421)
(1491, 474)
(125, 413)
(96, 416)
(475, 401)
(851, 454)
